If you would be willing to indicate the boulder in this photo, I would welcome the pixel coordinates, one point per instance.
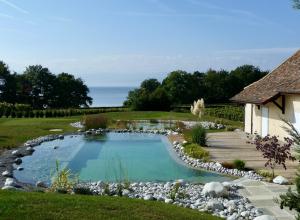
(148, 197)
(30, 149)
(227, 185)
(10, 182)
(7, 174)
(280, 180)
(265, 217)
(125, 192)
(18, 161)
(168, 201)
(214, 189)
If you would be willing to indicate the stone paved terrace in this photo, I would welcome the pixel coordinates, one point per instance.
(228, 146)
(262, 195)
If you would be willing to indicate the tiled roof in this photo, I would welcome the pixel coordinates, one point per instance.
(284, 79)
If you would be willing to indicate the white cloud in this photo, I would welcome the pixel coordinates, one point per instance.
(12, 5)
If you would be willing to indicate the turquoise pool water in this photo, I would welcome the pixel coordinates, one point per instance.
(111, 157)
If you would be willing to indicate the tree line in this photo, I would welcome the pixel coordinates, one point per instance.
(41, 89)
(182, 88)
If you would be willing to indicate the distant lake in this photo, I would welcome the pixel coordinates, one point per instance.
(108, 96)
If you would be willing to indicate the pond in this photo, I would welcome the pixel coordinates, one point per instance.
(111, 157)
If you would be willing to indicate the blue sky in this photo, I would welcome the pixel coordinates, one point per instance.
(121, 42)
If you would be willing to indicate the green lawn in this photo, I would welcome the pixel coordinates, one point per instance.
(15, 131)
(20, 205)
(140, 115)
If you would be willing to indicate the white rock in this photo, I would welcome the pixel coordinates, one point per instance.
(265, 217)
(215, 189)
(10, 182)
(280, 180)
(15, 152)
(234, 216)
(6, 174)
(148, 197)
(9, 188)
(245, 214)
(227, 185)
(125, 192)
(213, 205)
(168, 201)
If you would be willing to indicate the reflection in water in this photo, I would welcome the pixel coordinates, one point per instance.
(111, 157)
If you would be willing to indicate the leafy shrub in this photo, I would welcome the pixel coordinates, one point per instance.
(198, 135)
(265, 173)
(228, 165)
(239, 164)
(95, 122)
(196, 151)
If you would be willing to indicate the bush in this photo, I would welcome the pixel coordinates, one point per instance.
(198, 135)
(95, 122)
(196, 151)
(239, 164)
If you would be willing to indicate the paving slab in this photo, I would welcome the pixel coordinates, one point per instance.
(228, 146)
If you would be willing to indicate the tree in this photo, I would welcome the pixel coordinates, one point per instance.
(7, 84)
(70, 92)
(274, 151)
(241, 77)
(41, 86)
(178, 84)
(150, 85)
(296, 4)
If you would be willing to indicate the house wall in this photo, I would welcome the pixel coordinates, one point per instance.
(292, 114)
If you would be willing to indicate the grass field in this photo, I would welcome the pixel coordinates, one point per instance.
(20, 205)
(15, 131)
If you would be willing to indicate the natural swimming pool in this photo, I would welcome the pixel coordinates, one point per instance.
(111, 157)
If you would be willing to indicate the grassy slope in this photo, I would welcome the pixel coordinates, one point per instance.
(18, 205)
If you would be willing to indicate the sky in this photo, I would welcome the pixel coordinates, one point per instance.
(122, 42)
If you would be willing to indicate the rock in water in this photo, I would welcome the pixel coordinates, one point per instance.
(215, 189)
